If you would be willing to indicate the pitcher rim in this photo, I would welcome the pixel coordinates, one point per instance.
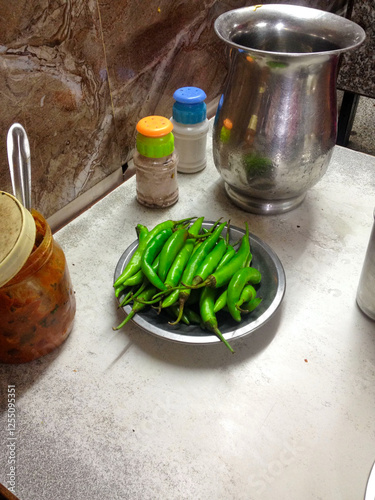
(359, 33)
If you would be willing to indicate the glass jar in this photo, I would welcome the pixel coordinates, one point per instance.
(37, 305)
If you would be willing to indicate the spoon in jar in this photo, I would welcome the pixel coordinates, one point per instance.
(18, 149)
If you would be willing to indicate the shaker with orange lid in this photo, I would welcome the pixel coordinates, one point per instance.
(156, 163)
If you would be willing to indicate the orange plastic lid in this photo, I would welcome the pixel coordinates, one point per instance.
(154, 126)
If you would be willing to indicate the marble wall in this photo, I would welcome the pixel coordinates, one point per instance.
(79, 74)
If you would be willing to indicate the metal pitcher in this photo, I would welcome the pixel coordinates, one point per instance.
(275, 126)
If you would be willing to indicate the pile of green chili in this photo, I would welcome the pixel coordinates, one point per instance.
(190, 273)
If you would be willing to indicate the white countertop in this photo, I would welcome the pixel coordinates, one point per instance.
(126, 415)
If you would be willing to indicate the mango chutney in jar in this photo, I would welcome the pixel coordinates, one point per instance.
(37, 305)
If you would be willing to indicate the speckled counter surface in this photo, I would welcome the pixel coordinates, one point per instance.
(126, 415)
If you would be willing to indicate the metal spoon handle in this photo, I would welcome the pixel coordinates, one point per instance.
(18, 148)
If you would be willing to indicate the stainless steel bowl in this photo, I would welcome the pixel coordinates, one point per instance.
(271, 289)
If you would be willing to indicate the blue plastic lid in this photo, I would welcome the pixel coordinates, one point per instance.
(189, 107)
(189, 95)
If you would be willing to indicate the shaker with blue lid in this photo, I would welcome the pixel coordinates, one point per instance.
(190, 128)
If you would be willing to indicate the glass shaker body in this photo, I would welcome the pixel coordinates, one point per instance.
(156, 163)
(37, 306)
(156, 180)
(190, 128)
(366, 286)
(191, 145)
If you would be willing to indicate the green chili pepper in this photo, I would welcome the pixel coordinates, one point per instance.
(208, 316)
(178, 266)
(131, 267)
(172, 311)
(196, 246)
(198, 256)
(141, 231)
(249, 259)
(221, 301)
(137, 306)
(170, 251)
(196, 227)
(230, 252)
(251, 305)
(119, 290)
(153, 248)
(171, 299)
(236, 285)
(192, 316)
(180, 261)
(134, 264)
(136, 279)
(126, 299)
(224, 274)
(139, 276)
(194, 262)
(247, 294)
(135, 292)
(210, 262)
